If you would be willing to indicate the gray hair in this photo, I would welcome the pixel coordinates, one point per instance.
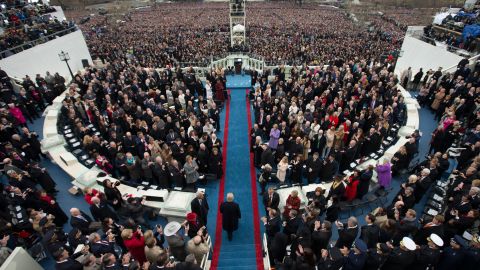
(353, 221)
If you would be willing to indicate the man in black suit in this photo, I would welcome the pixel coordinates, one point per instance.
(176, 176)
(178, 152)
(329, 169)
(293, 223)
(422, 184)
(214, 142)
(98, 247)
(82, 221)
(435, 226)
(256, 131)
(200, 207)
(408, 198)
(406, 226)
(370, 233)
(347, 232)
(271, 200)
(129, 143)
(267, 156)
(348, 155)
(313, 167)
(66, 262)
(372, 142)
(100, 210)
(161, 173)
(273, 224)
(230, 215)
(319, 141)
(321, 236)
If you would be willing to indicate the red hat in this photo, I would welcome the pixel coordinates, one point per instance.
(191, 217)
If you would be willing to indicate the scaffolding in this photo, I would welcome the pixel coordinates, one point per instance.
(237, 23)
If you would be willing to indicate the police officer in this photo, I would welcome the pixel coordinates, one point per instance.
(401, 257)
(454, 254)
(428, 255)
(472, 254)
(354, 259)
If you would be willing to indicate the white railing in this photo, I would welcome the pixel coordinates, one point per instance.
(266, 257)
(472, 61)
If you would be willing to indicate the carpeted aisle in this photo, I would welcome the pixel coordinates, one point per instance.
(240, 252)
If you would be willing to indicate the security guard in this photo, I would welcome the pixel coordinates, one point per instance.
(401, 257)
(454, 254)
(428, 255)
(472, 254)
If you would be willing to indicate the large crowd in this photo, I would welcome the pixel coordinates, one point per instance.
(139, 124)
(316, 123)
(27, 23)
(201, 34)
(166, 40)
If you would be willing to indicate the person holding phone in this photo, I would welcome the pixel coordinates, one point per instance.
(135, 243)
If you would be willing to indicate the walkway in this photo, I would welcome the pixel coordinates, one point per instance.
(240, 253)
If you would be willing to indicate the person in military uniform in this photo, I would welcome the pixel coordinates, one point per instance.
(428, 255)
(401, 257)
(377, 256)
(472, 254)
(454, 254)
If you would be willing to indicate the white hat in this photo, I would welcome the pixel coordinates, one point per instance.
(172, 228)
(408, 243)
(436, 240)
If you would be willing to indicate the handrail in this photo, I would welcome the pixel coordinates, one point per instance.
(3, 54)
(474, 58)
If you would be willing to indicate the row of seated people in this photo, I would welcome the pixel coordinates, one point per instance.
(141, 130)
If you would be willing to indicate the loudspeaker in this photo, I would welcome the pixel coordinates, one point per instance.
(85, 63)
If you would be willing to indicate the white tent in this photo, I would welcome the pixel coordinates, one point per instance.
(238, 28)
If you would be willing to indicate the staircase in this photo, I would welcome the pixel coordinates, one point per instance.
(237, 256)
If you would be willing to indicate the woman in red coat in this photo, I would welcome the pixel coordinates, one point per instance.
(90, 193)
(135, 243)
(351, 189)
(293, 202)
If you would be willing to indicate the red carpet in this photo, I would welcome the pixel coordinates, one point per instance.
(253, 182)
(218, 230)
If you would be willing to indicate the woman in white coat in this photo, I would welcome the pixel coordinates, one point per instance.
(282, 169)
